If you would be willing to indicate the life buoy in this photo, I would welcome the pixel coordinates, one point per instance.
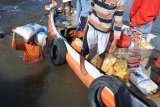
(58, 51)
(122, 95)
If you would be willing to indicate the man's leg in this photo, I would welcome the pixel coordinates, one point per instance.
(100, 59)
(82, 68)
(84, 52)
(69, 8)
(63, 9)
(83, 22)
(99, 62)
(103, 39)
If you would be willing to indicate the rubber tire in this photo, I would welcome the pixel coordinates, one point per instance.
(118, 88)
(58, 51)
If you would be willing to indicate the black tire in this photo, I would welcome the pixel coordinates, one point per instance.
(58, 51)
(122, 95)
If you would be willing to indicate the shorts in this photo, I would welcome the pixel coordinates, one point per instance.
(95, 38)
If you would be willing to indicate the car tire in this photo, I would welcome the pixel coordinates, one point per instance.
(58, 51)
(118, 88)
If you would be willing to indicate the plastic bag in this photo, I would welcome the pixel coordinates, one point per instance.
(120, 68)
(120, 65)
(107, 65)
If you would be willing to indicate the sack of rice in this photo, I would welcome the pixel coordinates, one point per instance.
(27, 31)
(40, 39)
(142, 81)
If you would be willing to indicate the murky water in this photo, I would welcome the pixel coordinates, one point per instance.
(42, 84)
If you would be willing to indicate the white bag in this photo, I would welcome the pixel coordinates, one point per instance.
(27, 31)
(142, 81)
(40, 39)
(65, 1)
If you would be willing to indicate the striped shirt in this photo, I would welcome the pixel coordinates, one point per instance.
(107, 15)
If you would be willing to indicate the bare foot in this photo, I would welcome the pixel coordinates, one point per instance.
(155, 96)
(83, 71)
(82, 68)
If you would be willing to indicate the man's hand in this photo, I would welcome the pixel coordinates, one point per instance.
(73, 33)
(77, 23)
(14, 34)
(113, 46)
(13, 30)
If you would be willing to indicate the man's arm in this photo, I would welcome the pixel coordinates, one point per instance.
(14, 43)
(14, 39)
(92, 5)
(117, 24)
(118, 16)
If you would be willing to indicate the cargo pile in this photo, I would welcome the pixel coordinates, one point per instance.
(128, 63)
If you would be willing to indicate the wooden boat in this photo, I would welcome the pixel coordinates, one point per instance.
(103, 90)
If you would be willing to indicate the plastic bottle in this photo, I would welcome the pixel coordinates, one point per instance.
(142, 81)
(133, 45)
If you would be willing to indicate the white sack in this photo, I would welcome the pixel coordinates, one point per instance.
(65, 1)
(40, 39)
(27, 31)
